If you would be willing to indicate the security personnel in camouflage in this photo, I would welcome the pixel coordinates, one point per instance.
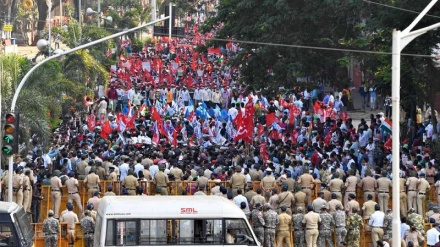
(326, 228)
(416, 219)
(51, 229)
(354, 226)
(388, 224)
(88, 227)
(258, 222)
(340, 229)
(298, 230)
(270, 224)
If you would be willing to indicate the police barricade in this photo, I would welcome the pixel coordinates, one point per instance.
(79, 236)
(39, 235)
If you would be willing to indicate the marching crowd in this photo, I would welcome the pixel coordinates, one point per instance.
(170, 114)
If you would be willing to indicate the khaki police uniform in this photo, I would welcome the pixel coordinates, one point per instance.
(306, 183)
(73, 193)
(17, 185)
(383, 192)
(336, 185)
(55, 188)
(130, 183)
(161, 180)
(92, 182)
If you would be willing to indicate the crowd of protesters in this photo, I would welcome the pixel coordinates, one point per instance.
(169, 114)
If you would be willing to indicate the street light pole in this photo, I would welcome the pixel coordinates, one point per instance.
(170, 24)
(28, 74)
(400, 40)
(99, 13)
(50, 23)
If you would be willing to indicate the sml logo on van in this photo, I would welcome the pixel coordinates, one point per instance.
(188, 211)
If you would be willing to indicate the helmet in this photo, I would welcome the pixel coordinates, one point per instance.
(90, 206)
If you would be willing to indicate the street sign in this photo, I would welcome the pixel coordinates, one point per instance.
(7, 27)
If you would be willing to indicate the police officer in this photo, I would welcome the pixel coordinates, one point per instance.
(55, 188)
(88, 227)
(422, 190)
(92, 182)
(411, 185)
(339, 217)
(73, 191)
(336, 185)
(130, 183)
(284, 223)
(286, 199)
(383, 192)
(354, 226)
(258, 222)
(270, 224)
(333, 203)
(326, 228)
(300, 197)
(238, 180)
(268, 182)
(306, 183)
(368, 185)
(70, 218)
(17, 185)
(161, 180)
(311, 221)
(109, 191)
(51, 229)
(298, 230)
(350, 185)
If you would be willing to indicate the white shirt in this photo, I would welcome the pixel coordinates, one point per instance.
(376, 219)
(138, 167)
(432, 236)
(239, 199)
(403, 228)
(123, 169)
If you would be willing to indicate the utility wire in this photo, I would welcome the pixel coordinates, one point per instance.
(401, 9)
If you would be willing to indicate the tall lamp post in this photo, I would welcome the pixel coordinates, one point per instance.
(56, 55)
(400, 40)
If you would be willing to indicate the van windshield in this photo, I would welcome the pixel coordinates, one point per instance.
(144, 232)
(23, 226)
(7, 235)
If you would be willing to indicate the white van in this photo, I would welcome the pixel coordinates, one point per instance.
(171, 221)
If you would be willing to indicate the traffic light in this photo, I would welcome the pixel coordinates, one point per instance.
(10, 137)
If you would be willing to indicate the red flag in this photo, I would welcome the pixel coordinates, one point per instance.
(106, 130)
(344, 116)
(161, 128)
(91, 123)
(328, 138)
(263, 152)
(271, 118)
(260, 130)
(175, 138)
(155, 115)
(388, 144)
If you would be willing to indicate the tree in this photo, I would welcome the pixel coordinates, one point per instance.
(416, 87)
(290, 23)
(42, 95)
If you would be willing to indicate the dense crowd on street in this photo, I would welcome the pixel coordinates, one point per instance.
(170, 114)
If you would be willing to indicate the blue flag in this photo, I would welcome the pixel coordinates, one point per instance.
(224, 114)
(211, 112)
(204, 105)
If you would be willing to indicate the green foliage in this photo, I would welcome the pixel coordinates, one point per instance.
(297, 22)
